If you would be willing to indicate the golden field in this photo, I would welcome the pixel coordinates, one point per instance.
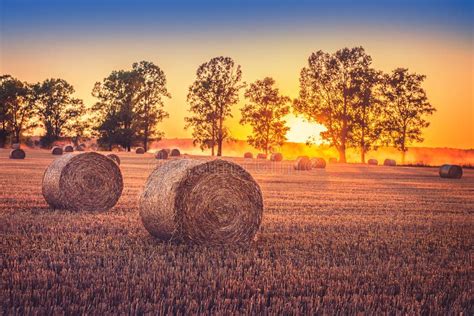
(350, 238)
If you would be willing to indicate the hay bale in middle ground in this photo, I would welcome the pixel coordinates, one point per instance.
(389, 162)
(276, 157)
(140, 150)
(115, 158)
(303, 163)
(68, 149)
(373, 162)
(161, 154)
(57, 151)
(318, 163)
(450, 171)
(248, 155)
(175, 153)
(261, 156)
(205, 202)
(87, 181)
(17, 154)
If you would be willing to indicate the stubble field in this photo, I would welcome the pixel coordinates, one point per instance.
(351, 238)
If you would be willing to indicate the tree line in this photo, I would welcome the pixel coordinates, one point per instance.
(360, 107)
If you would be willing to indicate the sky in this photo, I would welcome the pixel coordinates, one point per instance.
(83, 41)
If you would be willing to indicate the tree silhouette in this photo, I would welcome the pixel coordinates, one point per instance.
(265, 112)
(17, 107)
(211, 96)
(328, 86)
(58, 111)
(405, 105)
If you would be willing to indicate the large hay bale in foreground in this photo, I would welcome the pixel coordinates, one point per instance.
(205, 202)
(87, 181)
(276, 157)
(303, 163)
(57, 151)
(389, 162)
(248, 155)
(261, 156)
(161, 154)
(68, 149)
(175, 153)
(373, 162)
(115, 158)
(17, 154)
(318, 163)
(450, 171)
(140, 150)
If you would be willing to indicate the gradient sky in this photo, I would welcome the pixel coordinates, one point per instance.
(83, 41)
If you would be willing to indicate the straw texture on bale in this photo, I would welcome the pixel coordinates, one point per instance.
(276, 157)
(140, 150)
(373, 162)
(162, 154)
(87, 181)
(57, 150)
(450, 171)
(318, 163)
(389, 162)
(115, 158)
(303, 163)
(204, 202)
(68, 149)
(17, 154)
(175, 153)
(248, 155)
(332, 160)
(261, 156)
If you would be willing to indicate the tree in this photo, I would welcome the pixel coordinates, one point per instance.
(405, 106)
(57, 108)
(265, 112)
(368, 125)
(149, 108)
(211, 97)
(17, 107)
(328, 87)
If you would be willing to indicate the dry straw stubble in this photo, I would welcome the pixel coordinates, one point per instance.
(205, 202)
(84, 182)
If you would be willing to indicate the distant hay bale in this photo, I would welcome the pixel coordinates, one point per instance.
(80, 148)
(261, 156)
(68, 149)
(389, 162)
(115, 158)
(161, 154)
(17, 154)
(450, 171)
(140, 150)
(205, 202)
(373, 162)
(168, 150)
(302, 163)
(175, 153)
(87, 181)
(16, 146)
(248, 155)
(332, 160)
(318, 163)
(276, 157)
(57, 150)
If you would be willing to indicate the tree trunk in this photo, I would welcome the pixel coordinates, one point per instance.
(403, 156)
(362, 154)
(145, 141)
(219, 138)
(342, 154)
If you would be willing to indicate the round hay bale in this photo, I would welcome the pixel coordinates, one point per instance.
(168, 151)
(276, 157)
(87, 181)
(332, 160)
(68, 149)
(450, 171)
(303, 163)
(115, 158)
(318, 163)
(17, 154)
(140, 150)
(389, 162)
(205, 202)
(373, 162)
(261, 156)
(57, 150)
(162, 154)
(16, 146)
(80, 148)
(248, 155)
(175, 153)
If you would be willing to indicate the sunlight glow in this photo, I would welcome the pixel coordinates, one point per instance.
(301, 130)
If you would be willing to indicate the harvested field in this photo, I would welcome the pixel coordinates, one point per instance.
(351, 238)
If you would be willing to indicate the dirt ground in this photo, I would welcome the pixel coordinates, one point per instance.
(350, 238)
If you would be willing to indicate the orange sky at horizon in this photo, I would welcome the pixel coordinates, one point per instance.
(447, 62)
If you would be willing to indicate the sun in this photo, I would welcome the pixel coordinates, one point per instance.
(301, 130)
